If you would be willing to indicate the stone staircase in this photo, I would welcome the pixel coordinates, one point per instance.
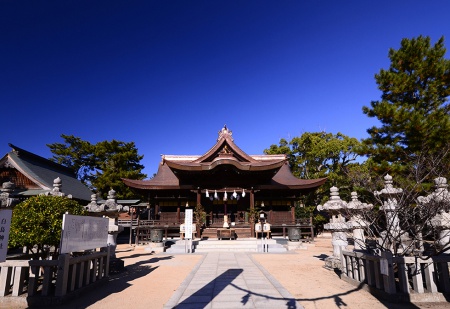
(238, 245)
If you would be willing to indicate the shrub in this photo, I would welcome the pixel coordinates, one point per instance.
(37, 222)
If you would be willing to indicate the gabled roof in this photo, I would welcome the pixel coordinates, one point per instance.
(43, 172)
(225, 151)
(224, 163)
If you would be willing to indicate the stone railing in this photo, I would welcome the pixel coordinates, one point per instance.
(51, 281)
(408, 278)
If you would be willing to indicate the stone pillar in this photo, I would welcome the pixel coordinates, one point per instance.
(389, 196)
(338, 227)
(113, 231)
(357, 221)
(440, 198)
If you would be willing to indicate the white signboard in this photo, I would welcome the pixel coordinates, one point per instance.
(188, 224)
(5, 223)
(81, 233)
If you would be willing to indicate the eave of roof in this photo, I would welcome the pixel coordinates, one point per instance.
(285, 179)
(164, 179)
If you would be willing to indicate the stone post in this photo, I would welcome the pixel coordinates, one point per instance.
(113, 231)
(389, 196)
(338, 227)
(357, 221)
(440, 198)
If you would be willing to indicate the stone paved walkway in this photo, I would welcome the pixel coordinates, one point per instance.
(230, 280)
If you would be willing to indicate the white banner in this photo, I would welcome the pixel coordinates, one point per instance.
(188, 224)
(5, 224)
(81, 233)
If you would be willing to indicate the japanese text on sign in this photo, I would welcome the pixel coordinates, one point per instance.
(5, 223)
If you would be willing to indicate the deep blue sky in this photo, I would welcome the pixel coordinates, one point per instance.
(169, 74)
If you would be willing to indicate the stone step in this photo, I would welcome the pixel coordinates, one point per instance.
(244, 245)
(202, 250)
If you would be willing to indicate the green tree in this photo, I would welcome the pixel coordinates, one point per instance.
(413, 110)
(101, 166)
(75, 154)
(320, 154)
(36, 223)
(116, 160)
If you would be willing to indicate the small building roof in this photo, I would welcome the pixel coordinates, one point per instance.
(42, 172)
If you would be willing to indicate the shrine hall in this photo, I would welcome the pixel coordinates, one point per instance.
(229, 184)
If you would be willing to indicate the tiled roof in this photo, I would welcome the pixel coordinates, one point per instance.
(43, 172)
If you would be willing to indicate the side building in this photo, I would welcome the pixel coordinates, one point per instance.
(30, 174)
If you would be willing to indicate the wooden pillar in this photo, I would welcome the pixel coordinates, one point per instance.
(293, 213)
(199, 197)
(269, 216)
(156, 210)
(178, 211)
(252, 206)
(199, 201)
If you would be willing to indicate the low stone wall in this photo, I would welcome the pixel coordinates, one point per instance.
(51, 282)
(399, 278)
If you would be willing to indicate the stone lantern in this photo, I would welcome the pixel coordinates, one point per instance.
(357, 221)
(93, 206)
(337, 225)
(7, 197)
(389, 196)
(440, 198)
(56, 191)
(108, 207)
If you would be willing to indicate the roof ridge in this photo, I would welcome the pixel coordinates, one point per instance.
(20, 152)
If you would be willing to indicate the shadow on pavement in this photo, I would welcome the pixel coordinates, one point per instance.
(321, 257)
(115, 284)
(290, 302)
(206, 294)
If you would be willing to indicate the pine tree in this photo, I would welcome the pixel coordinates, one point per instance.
(100, 166)
(413, 110)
